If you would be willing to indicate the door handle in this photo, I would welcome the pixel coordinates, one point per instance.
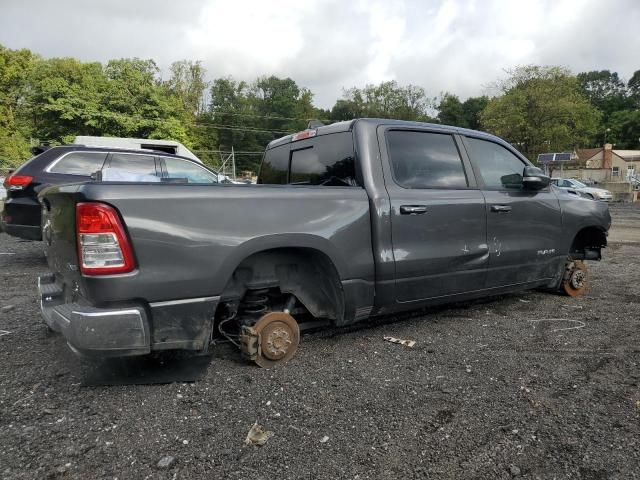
(500, 208)
(413, 209)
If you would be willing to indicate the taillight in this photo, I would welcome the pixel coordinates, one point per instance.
(103, 246)
(17, 182)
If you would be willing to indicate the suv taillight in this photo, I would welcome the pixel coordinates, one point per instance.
(17, 182)
(103, 246)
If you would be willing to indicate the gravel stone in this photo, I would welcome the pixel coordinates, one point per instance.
(166, 462)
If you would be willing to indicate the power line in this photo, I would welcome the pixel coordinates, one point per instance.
(232, 114)
(270, 117)
(228, 152)
(195, 122)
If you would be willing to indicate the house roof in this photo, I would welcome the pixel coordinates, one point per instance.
(628, 155)
(587, 153)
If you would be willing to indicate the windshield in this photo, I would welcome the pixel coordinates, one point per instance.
(577, 184)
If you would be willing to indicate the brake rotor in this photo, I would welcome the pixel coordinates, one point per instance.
(576, 279)
(278, 337)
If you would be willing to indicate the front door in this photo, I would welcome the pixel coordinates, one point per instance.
(438, 219)
(524, 227)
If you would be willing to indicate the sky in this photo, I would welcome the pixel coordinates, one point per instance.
(457, 46)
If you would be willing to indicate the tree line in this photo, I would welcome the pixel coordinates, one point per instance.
(52, 100)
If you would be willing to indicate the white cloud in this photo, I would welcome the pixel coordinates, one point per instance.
(458, 46)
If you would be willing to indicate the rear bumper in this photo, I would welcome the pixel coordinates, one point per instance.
(94, 331)
(134, 329)
(28, 232)
(20, 217)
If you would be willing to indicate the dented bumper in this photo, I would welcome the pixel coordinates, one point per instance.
(94, 331)
(134, 329)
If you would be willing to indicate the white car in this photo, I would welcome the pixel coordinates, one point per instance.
(582, 189)
(3, 192)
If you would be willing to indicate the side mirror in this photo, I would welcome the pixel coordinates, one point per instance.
(533, 178)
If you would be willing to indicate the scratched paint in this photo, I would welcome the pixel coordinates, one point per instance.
(497, 246)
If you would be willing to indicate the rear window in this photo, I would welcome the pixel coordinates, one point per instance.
(323, 160)
(275, 166)
(79, 163)
(425, 160)
(133, 163)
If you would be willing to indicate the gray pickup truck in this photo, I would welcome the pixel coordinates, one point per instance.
(349, 221)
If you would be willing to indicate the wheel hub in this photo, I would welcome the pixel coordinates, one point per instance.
(273, 339)
(578, 279)
(276, 343)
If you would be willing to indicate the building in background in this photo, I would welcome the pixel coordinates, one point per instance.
(605, 165)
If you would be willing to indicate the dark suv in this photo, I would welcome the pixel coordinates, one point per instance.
(73, 164)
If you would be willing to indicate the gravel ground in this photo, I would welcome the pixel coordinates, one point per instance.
(531, 385)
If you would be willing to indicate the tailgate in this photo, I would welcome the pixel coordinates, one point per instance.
(59, 232)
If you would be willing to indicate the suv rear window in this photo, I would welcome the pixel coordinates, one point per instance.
(323, 160)
(134, 163)
(79, 163)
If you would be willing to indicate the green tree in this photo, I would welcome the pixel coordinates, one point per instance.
(231, 111)
(625, 129)
(633, 85)
(187, 82)
(16, 67)
(65, 99)
(451, 111)
(605, 90)
(473, 107)
(541, 109)
(386, 100)
(138, 105)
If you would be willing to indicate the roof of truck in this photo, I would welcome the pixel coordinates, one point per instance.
(347, 125)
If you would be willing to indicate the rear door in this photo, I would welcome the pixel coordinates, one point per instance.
(438, 215)
(524, 227)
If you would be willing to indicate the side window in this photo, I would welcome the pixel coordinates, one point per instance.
(133, 163)
(189, 171)
(326, 160)
(500, 169)
(275, 166)
(425, 160)
(79, 163)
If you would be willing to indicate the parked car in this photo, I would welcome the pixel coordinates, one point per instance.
(348, 221)
(73, 164)
(582, 189)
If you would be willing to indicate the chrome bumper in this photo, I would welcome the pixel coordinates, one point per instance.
(94, 331)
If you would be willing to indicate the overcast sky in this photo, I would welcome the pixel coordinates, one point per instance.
(459, 46)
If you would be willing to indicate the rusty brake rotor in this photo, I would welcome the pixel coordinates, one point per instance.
(576, 279)
(272, 340)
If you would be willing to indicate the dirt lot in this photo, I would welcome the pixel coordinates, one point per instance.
(531, 385)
